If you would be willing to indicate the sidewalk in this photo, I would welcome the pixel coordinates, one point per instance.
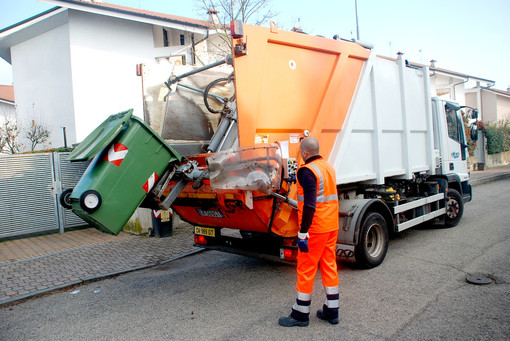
(489, 175)
(37, 265)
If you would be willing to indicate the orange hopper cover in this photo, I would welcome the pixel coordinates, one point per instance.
(289, 82)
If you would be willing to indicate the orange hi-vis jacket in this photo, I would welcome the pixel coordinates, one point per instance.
(326, 210)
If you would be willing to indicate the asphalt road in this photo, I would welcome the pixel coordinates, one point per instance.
(418, 293)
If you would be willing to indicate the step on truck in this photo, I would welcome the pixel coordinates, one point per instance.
(400, 155)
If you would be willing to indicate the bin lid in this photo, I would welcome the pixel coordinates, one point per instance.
(101, 137)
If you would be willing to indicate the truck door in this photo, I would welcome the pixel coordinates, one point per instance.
(455, 160)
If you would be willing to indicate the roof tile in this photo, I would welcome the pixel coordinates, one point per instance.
(142, 12)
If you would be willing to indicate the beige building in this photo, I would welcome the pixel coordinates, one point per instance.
(479, 93)
(494, 104)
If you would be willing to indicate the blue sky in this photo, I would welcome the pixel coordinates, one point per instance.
(467, 36)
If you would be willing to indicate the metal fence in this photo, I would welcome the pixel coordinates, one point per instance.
(30, 187)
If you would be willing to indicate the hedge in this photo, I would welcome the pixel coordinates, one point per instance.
(498, 136)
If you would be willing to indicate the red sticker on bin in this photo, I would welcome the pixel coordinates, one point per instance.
(147, 186)
(116, 154)
(156, 213)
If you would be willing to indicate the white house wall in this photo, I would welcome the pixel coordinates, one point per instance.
(104, 54)
(7, 110)
(42, 74)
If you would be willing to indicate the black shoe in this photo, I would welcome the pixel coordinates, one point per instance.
(289, 321)
(320, 314)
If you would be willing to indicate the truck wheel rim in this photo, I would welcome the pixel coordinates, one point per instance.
(452, 209)
(375, 240)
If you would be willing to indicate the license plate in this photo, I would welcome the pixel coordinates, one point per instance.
(205, 231)
(210, 213)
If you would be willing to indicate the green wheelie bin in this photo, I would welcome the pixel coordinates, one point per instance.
(128, 159)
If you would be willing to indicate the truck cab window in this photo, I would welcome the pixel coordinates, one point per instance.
(451, 119)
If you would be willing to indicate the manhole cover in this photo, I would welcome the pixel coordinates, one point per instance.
(478, 280)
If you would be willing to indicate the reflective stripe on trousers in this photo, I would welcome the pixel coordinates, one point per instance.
(332, 297)
(302, 303)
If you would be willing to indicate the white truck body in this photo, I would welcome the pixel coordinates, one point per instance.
(389, 129)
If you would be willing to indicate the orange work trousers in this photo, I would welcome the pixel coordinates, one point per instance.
(322, 248)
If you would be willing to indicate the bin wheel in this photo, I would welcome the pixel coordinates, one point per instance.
(90, 201)
(65, 199)
(150, 232)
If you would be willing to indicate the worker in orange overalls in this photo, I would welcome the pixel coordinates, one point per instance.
(318, 218)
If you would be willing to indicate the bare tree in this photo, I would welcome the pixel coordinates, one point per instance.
(254, 12)
(9, 132)
(2, 143)
(36, 134)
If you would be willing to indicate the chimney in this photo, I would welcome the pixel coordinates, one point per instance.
(433, 63)
(213, 16)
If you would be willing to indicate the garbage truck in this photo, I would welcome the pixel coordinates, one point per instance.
(400, 154)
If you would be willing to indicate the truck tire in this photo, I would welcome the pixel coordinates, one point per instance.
(372, 242)
(454, 208)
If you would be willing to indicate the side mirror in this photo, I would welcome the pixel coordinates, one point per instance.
(474, 132)
(474, 114)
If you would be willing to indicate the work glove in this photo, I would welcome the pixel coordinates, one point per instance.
(302, 241)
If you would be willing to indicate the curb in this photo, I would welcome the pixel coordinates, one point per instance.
(95, 278)
(490, 178)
